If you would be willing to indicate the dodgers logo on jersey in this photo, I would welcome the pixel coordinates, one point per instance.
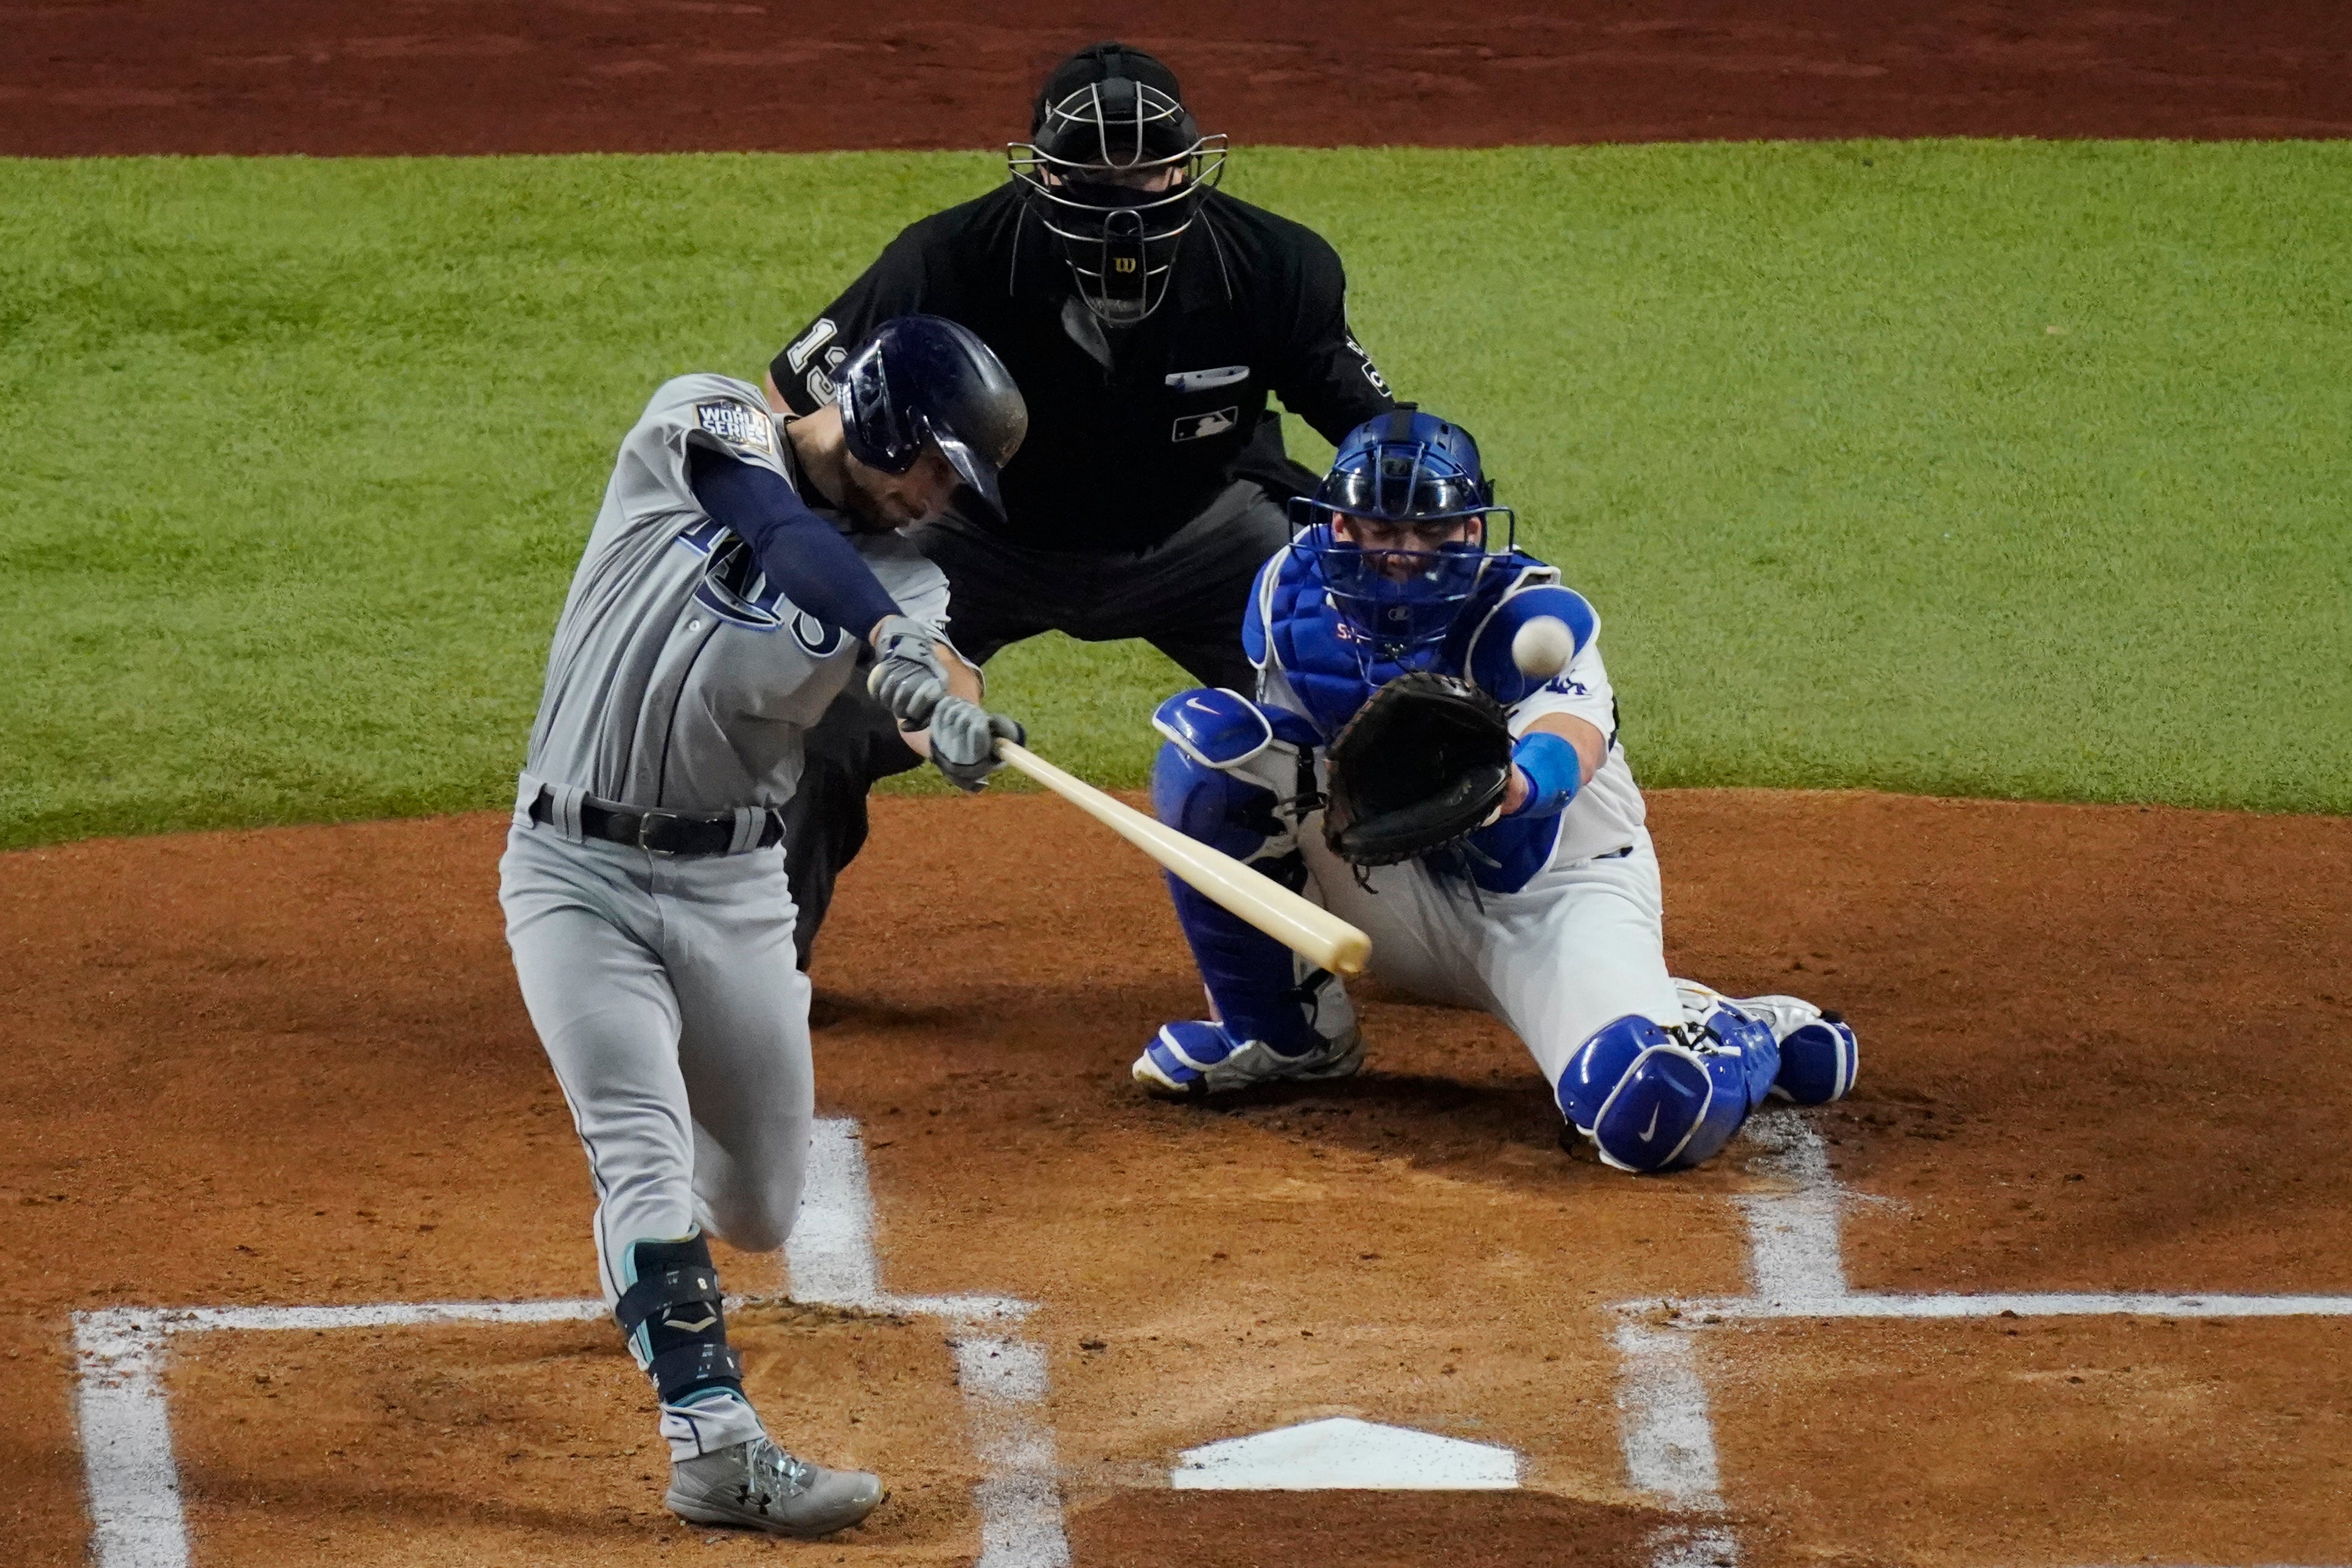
(737, 425)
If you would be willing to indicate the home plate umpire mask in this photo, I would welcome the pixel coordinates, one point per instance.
(1115, 169)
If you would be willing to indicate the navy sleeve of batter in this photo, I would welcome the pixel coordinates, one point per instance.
(801, 553)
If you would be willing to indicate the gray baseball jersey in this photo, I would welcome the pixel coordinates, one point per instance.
(680, 677)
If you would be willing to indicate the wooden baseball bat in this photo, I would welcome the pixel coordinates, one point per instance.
(1320, 936)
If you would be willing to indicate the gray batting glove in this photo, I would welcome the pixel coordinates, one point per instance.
(964, 741)
(907, 676)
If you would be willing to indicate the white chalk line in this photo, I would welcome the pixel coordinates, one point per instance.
(137, 1520)
(1796, 1268)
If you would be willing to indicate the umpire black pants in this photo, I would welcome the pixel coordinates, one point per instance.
(1184, 596)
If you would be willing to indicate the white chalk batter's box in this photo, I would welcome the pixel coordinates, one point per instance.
(1668, 1425)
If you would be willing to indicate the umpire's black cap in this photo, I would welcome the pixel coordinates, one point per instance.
(921, 379)
(1165, 135)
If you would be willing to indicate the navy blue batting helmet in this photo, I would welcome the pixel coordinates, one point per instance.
(922, 380)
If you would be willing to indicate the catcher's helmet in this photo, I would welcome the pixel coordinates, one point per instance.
(1115, 169)
(1402, 470)
(923, 379)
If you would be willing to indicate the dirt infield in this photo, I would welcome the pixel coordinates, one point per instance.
(289, 1067)
(338, 77)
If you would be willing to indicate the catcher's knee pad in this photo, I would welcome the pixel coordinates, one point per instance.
(1202, 801)
(674, 1324)
(1657, 1099)
(1227, 764)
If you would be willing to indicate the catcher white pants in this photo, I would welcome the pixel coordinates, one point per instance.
(1581, 944)
(666, 994)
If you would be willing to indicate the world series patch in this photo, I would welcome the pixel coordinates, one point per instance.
(737, 425)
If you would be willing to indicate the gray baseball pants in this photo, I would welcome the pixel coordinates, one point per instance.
(665, 991)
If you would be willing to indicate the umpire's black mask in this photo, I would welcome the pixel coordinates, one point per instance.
(1115, 169)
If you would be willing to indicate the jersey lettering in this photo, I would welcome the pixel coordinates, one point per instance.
(820, 333)
(820, 385)
(1371, 370)
(822, 641)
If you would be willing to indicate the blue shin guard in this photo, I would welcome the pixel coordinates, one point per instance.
(1253, 980)
(1657, 1099)
(1819, 1062)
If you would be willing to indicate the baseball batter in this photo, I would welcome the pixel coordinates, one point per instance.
(1519, 880)
(738, 572)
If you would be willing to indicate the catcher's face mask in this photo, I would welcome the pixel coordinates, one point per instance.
(1401, 530)
(1117, 173)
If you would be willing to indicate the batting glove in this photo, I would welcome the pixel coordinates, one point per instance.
(964, 741)
(907, 676)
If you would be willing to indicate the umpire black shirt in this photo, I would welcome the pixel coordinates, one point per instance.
(1122, 454)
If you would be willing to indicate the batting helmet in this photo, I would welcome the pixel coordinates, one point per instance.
(1116, 170)
(1401, 469)
(922, 379)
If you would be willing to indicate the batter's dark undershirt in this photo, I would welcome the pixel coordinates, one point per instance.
(819, 571)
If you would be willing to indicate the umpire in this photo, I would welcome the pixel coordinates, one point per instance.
(1145, 316)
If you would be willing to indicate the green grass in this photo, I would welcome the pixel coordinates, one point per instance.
(2011, 469)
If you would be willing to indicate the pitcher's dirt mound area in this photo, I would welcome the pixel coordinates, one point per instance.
(577, 75)
(2102, 1052)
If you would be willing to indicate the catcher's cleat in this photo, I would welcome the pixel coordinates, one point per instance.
(1818, 1054)
(1197, 1056)
(758, 1486)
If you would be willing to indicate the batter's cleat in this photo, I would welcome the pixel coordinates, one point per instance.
(1819, 1055)
(1197, 1056)
(758, 1486)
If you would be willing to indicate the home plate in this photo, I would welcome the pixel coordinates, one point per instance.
(1343, 1452)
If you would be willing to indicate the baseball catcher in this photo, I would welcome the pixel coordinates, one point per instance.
(1434, 752)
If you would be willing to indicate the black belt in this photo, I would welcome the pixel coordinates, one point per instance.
(664, 832)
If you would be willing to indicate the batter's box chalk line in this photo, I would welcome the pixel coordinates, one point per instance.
(137, 1519)
(1796, 1268)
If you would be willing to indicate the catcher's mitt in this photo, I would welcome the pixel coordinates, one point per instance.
(1424, 762)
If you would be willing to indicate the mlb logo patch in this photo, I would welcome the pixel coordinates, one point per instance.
(1193, 426)
(737, 425)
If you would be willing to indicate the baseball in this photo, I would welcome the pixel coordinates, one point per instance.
(1543, 647)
